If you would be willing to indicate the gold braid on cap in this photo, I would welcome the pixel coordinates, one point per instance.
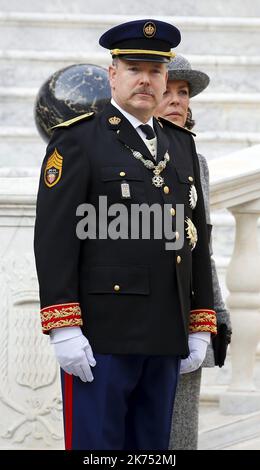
(142, 51)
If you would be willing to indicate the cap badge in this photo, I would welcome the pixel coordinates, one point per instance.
(114, 120)
(192, 233)
(149, 29)
(53, 170)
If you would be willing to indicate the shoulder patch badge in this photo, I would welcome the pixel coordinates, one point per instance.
(53, 170)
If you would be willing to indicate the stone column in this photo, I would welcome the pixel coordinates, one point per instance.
(243, 281)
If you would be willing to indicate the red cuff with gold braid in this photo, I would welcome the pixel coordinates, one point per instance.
(203, 320)
(60, 315)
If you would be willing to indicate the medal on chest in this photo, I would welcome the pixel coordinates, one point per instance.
(192, 233)
(193, 197)
(125, 190)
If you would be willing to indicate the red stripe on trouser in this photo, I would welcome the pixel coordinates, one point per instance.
(68, 410)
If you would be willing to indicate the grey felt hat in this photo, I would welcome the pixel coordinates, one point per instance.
(180, 69)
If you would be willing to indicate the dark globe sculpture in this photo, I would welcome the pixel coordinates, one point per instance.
(69, 92)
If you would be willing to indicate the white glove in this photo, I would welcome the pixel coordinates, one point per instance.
(198, 343)
(73, 352)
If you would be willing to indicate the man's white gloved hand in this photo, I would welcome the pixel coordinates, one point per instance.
(198, 343)
(73, 352)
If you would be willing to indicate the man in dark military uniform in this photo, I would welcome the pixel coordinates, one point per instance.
(119, 311)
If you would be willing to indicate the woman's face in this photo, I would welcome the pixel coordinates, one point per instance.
(175, 102)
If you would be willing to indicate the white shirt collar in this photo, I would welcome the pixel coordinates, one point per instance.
(132, 119)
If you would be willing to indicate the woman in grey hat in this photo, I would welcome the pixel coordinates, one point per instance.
(184, 83)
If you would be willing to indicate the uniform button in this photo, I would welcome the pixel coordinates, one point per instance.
(190, 179)
(178, 259)
(116, 287)
(122, 173)
(166, 189)
(177, 235)
(172, 211)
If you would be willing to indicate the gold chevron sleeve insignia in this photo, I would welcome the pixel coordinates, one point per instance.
(53, 169)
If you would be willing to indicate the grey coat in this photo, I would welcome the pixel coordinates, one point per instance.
(223, 315)
(184, 431)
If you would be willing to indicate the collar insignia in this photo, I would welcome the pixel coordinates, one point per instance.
(114, 120)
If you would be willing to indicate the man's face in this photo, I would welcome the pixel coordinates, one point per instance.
(175, 102)
(138, 87)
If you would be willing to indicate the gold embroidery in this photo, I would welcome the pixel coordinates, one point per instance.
(57, 316)
(59, 313)
(203, 321)
(62, 323)
(206, 328)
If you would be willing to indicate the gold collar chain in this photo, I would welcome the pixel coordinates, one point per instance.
(157, 180)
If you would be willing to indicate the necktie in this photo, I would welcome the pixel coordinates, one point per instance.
(148, 131)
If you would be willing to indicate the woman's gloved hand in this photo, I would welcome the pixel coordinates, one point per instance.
(198, 343)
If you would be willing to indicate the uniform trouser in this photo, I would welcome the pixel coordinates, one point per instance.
(127, 406)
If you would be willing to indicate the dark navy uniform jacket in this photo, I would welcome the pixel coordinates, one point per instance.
(131, 296)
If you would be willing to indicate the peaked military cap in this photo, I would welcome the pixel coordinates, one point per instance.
(146, 40)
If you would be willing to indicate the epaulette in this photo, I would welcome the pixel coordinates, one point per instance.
(73, 120)
(176, 126)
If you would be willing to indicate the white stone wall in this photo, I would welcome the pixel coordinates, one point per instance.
(135, 7)
(30, 402)
(222, 38)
